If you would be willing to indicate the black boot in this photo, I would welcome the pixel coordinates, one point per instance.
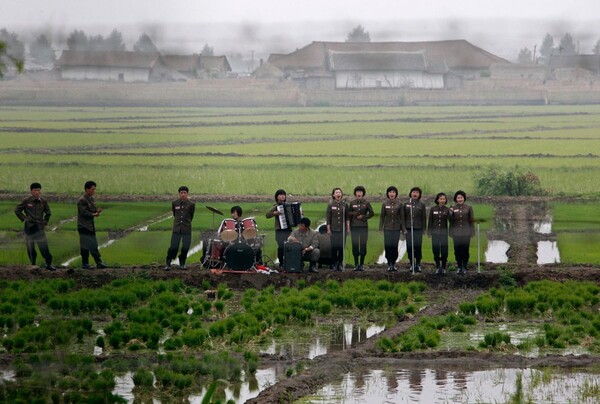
(444, 267)
(418, 266)
(438, 268)
(313, 267)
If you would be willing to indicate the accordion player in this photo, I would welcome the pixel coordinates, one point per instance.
(290, 216)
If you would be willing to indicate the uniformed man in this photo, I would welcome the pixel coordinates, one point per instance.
(337, 227)
(35, 213)
(86, 212)
(437, 229)
(462, 228)
(183, 214)
(415, 220)
(359, 211)
(391, 223)
(310, 243)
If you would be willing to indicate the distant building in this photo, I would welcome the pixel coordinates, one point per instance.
(590, 63)
(385, 64)
(125, 67)
(187, 65)
(214, 66)
(199, 66)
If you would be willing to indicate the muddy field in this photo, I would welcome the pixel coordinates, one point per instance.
(444, 294)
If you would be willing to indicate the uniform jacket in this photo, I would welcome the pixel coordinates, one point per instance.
(462, 220)
(308, 238)
(183, 214)
(438, 220)
(86, 207)
(391, 215)
(360, 207)
(419, 214)
(33, 211)
(337, 215)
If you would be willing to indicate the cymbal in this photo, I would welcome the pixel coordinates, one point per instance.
(214, 210)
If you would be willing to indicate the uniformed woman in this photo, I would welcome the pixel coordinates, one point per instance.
(415, 220)
(337, 227)
(437, 229)
(359, 211)
(462, 228)
(392, 224)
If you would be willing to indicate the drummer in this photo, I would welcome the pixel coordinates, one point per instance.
(236, 214)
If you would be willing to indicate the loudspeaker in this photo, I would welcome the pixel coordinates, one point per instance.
(292, 257)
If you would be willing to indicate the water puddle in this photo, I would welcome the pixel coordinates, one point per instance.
(124, 386)
(547, 252)
(342, 337)
(401, 251)
(444, 386)
(496, 251)
(543, 226)
(7, 375)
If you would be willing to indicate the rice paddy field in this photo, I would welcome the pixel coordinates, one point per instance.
(307, 151)
(519, 330)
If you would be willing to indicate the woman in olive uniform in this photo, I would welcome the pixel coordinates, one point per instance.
(415, 220)
(437, 229)
(462, 228)
(359, 211)
(337, 227)
(392, 224)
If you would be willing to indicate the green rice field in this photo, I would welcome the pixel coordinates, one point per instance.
(307, 151)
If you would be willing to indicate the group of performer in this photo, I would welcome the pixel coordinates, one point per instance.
(240, 236)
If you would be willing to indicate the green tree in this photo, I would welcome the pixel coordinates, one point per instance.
(114, 42)
(144, 44)
(207, 51)
(567, 45)
(41, 51)
(14, 47)
(358, 34)
(525, 57)
(77, 41)
(6, 58)
(547, 48)
(596, 49)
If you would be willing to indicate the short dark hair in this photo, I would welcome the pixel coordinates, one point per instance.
(35, 185)
(279, 192)
(415, 189)
(89, 184)
(390, 189)
(360, 188)
(305, 221)
(335, 189)
(437, 197)
(183, 188)
(464, 195)
(237, 209)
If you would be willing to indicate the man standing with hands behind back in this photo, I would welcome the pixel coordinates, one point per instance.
(35, 213)
(183, 214)
(86, 212)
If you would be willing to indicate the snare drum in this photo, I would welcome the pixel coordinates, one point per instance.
(228, 230)
(250, 230)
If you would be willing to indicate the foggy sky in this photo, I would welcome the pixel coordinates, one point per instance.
(270, 26)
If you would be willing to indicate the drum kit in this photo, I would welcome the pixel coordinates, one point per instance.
(236, 246)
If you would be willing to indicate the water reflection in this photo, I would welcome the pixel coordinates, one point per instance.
(445, 386)
(547, 252)
(543, 226)
(124, 386)
(496, 251)
(401, 251)
(343, 336)
(250, 387)
(7, 375)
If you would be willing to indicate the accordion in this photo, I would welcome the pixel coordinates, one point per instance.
(291, 213)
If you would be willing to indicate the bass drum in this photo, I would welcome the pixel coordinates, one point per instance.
(239, 257)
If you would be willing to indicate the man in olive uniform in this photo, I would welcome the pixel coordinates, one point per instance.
(35, 213)
(183, 214)
(310, 243)
(86, 212)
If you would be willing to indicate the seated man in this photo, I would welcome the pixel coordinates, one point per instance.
(310, 243)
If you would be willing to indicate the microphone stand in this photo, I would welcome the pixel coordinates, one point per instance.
(412, 239)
